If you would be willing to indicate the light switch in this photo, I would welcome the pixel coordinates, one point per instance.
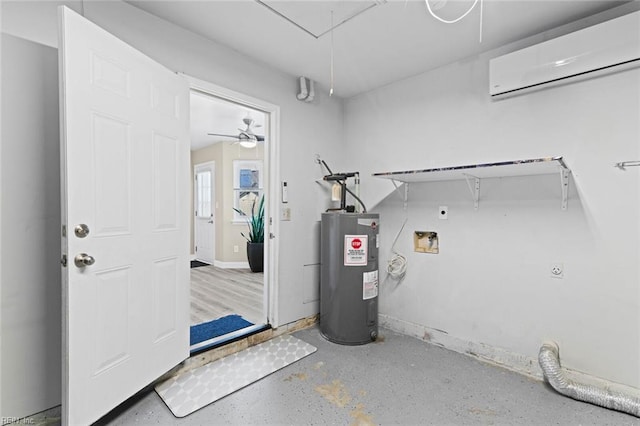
(285, 213)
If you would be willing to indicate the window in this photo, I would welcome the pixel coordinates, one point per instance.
(247, 187)
(203, 196)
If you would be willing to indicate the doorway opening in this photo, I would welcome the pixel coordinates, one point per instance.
(204, 196)
(229, 159)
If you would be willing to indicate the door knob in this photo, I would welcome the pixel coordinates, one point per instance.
(81, 230)
(210, 221)
(83, 259)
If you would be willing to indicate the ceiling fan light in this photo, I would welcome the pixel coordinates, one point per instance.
(247, 140)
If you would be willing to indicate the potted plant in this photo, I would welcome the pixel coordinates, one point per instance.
(255, 237)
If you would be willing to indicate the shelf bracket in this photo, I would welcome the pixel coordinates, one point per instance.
(564, 182)
(406, 196)
(405, 201)
(475, 189)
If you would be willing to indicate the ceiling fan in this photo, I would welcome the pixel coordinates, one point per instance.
(246, 137)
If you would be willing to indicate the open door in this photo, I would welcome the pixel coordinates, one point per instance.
(125, 212)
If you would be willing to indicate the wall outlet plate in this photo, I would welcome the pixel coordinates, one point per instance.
(557, 270)
(443, 212)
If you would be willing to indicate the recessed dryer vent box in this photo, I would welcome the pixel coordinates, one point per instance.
(425, 242)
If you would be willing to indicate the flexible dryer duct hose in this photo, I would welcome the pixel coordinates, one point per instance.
(549, 360)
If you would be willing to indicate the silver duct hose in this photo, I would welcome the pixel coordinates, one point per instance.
(549, 360)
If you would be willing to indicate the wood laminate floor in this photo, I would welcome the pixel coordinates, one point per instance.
(216, 292)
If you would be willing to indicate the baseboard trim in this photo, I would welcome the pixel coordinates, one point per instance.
(230, 265)
(50, 416)
(501, 357)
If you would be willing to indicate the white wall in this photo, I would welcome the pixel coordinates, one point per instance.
(488, 283)
(305, 129)
(29, 229)
(490, 286)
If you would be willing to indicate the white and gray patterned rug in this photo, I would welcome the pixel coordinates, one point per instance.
(198, 388)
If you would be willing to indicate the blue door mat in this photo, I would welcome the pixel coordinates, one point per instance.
(217, 327)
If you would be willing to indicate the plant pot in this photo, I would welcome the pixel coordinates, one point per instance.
(255, 255)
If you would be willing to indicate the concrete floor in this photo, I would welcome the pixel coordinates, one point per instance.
(399, 380)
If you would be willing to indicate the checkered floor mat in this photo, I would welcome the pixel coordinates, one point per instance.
(200, 387)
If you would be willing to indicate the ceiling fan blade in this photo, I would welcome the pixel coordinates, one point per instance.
(226, 136)
(248, 134)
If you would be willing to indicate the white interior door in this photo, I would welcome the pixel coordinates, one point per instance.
(204, 225)
(125, 166)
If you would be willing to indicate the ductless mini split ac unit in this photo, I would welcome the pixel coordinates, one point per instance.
(609, 47)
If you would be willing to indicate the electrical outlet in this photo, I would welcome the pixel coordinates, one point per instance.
(443, 212)
(236, 249)
(557, 270)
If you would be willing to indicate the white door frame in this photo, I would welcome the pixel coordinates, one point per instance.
(212, 166)
(272, 172)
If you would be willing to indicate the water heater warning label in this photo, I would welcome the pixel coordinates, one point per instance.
(369, 285)
(355, 250)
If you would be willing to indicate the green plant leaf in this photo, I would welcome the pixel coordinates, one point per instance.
(255, 222)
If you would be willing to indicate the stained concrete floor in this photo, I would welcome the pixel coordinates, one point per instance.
(399, 380)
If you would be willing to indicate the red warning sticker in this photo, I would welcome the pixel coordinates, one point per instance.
(355, 250)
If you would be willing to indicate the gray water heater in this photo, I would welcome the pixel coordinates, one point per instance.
(349, 277)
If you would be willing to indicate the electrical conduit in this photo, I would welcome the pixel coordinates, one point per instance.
(549, 360)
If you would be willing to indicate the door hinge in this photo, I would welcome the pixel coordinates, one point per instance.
(64, 230)
(63, 261)
(271, 235)
(270, 220)
(196, 249)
